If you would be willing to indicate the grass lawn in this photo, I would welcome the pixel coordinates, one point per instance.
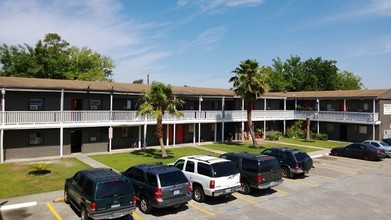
(247, 147)
(16, 181)
(316, 143)
(123, 161)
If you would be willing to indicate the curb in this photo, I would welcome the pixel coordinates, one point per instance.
(56, 200)
(17, 206)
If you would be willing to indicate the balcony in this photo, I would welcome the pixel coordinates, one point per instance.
(53, 119)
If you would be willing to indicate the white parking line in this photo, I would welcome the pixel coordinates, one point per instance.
(17, 206)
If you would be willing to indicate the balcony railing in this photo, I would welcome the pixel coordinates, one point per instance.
(67, 117)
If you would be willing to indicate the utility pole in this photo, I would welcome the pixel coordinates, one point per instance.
(147, 79)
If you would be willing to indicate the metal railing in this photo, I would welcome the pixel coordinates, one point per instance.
(56, 117)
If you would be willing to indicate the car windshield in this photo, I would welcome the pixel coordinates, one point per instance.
(300, 156)
(225, 168)
(172, 178)
(113, 188)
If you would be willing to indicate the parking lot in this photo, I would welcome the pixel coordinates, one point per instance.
(338, 188)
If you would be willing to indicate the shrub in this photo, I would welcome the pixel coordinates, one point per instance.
(295, 130)
(274, 136)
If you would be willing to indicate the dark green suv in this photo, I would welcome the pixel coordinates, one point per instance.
(256, 171)
(292, 161)
(100, 193)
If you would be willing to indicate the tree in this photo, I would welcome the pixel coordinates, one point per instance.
(54, 58)
(138, 81)
(348, 81)
(250, 82)
(156, 101)
(310, 75)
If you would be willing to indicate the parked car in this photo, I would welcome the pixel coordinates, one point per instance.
(387, 140)
(210, 176)
(359, 150)
(100, 193)
(256, 170)
(158, 186)
(381, 145)
(292, 161)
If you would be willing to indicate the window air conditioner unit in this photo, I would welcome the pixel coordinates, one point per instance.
(94, 107)
(33, 107)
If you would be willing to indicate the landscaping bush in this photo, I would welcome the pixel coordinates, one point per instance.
(295, 131)
(274, 136)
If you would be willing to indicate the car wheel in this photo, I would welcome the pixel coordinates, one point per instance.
(244, 187)
(83, 213)
(66, 196)
(198, 194)
(368, 157)
(145, 206)
(286, 172)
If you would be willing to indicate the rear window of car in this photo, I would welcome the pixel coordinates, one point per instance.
(172, 178)
(269, 165)
(300, 156)
(112, 188)
(225, 168)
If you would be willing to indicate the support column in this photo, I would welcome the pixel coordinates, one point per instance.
(61, 126)
(145, 133)
(243, 120)
(373, 123)
(317, 118)
(174, 136)
(167, 134)
(223, 123)
(199, 123)
(264, 120)
(284, 117)
(3, 122)
(139, 137)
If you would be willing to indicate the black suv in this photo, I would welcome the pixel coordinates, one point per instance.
(100, 193)
(292, 161)
(158, 186)
(256, 171)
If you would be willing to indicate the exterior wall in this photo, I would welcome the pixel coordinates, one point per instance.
(17, 146)
(86, 101)
(385, 118)
(359, 105)
(353, 132)
(20, 101)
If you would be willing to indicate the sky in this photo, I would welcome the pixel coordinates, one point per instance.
(199, 42)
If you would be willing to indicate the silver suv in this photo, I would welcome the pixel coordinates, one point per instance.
(210, 176)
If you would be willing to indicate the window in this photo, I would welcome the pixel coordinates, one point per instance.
(366, 106)
(191, 128)
(204, 169)
(330, 127)
(362, 130)
(125, 132)
(36, 104)
(190, 166)
(180, 164)
(94, 104)
(128, 105)
(151, 178)
(250, 165)
(35, 138)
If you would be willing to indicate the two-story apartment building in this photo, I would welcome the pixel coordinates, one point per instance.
(45, 117)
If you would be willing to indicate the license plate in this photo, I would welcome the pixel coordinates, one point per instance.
(272, 183)
(228, 190)
(115, 206)
(176, 192)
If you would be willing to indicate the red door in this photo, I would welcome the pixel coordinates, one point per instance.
(179, 134)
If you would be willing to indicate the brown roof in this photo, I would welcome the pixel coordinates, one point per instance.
(349, 94)
(76, 85)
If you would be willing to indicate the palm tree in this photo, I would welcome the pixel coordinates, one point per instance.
(155, 101)
(250, 82)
